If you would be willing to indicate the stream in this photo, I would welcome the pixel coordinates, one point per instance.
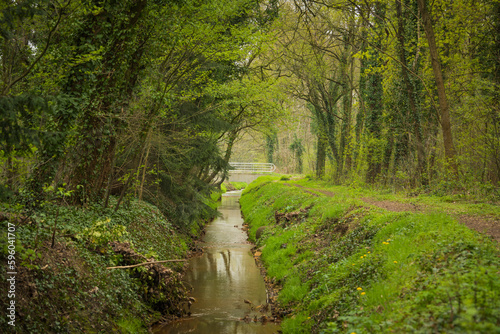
(223, 277)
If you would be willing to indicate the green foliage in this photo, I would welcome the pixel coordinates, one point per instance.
(102, 232)
(239, 185)
(17, 135)
(346, 268)
(103, 103)
(293, 290)
(215, 197)
(300, 324)
(391, 127)
(130, 325)
(271, 145)
(28, 256)
(280, 250)
(78, 277)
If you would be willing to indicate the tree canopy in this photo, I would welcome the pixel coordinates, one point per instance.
(148, 98)
(130, 97)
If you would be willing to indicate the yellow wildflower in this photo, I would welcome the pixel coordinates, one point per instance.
(362, 293)
(359, 289)
(395, 261)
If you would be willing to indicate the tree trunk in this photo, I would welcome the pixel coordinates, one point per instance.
(110, 181)
(346, 60)
(373, 96)
(321, 156)
(362, 113)
(421, 159)
(387, 155)
(10, 171)
(144, 172)
(449, 148)
(112, 82)
(229, 150)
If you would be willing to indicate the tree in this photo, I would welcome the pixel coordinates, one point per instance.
(298, 149)
(373, 93)
(438, 76)
(29, 110)
(319, 68)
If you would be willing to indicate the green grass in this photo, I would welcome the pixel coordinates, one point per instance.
(239, 185)
(215, 196)
(348, 267)
(293, 290)
(456, 204)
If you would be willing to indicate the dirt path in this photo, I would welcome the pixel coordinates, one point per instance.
(489, 225)
(313, 191)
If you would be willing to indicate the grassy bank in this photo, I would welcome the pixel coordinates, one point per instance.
(65, 286)
(215, 196)
(345, 266)
(235, 185)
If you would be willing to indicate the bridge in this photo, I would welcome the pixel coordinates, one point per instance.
(248, 171)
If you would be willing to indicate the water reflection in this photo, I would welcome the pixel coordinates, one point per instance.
(222, 278)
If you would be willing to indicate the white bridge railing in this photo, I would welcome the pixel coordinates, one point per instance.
(250, 167)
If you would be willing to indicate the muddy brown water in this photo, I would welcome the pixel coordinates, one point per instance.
(222, 278)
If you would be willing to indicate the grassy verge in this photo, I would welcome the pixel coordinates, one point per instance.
(459, 203)
(235, 185)
(65, 286)
(346, 267)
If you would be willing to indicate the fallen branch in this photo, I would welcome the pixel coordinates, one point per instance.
(143, 264)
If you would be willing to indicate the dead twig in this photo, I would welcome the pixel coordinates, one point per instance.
(143, 264)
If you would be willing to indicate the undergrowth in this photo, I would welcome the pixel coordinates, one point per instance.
(345, 267)
(62, 255)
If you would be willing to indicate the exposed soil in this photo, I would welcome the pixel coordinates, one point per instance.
(286, 218)
(487, 225)
(395, 206)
